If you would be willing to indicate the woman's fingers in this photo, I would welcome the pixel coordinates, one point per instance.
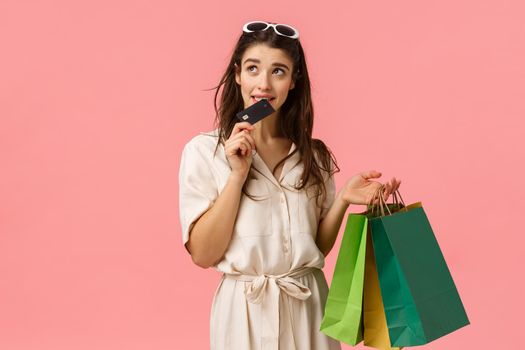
(245, 136)
(240, 140)
(249, 146)
(234, 146)
(249, 138)
(387, 191)
(238, 127)
(245, 147)
(391, 187)
(395, 185)
(370, 174)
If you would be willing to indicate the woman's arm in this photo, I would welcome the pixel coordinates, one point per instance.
(211, 234)
(329, 226)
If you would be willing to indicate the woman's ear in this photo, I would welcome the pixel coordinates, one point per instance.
(237, 74)
(294, 78)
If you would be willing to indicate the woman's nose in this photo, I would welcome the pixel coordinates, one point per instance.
(264, 82)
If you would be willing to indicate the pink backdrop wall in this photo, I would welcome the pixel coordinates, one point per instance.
(97, 99)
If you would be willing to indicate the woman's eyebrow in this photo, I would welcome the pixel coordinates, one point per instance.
(251, 60)
(276, 64)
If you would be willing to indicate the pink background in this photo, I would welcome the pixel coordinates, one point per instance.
(97, 99)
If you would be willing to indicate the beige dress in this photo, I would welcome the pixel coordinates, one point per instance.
(273, 292)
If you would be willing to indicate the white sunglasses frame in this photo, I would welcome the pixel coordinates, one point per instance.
(274, 25)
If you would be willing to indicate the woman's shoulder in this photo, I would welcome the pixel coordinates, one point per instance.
(204, 142)
(213, 133)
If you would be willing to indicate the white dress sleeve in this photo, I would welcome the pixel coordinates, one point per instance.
(330, 196)
(197, 186)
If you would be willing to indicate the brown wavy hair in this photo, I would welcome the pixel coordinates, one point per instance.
(296, 115)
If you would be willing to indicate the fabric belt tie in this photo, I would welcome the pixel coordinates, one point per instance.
(265, 290)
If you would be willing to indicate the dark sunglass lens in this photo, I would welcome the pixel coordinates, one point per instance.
(256, 26)
(285, 30)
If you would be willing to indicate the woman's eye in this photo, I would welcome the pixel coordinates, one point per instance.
(252, 69)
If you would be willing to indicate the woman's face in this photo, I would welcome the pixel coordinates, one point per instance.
(265, 72)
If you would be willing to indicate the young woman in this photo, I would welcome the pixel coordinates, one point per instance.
(258, 202)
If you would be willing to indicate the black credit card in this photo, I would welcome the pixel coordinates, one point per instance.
(256, 112)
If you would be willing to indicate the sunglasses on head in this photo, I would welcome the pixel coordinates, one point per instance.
(281, 29)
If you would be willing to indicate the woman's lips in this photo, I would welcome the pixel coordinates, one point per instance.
(269, 99)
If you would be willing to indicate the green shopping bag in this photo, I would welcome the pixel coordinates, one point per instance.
(343, 319)
(420, 298)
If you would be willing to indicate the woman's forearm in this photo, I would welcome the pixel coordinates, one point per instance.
(212, 232)
(329, 226)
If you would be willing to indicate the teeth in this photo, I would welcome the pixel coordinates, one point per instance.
(260, 98)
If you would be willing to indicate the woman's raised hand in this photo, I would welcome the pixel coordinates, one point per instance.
(239, 148)
(359, 189)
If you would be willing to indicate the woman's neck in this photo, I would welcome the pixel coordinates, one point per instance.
(267, 130)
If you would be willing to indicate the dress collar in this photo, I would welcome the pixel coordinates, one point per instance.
(261, 167)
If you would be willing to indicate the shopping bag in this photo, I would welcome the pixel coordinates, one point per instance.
(420, 298)
(342, 319)
(374, 320)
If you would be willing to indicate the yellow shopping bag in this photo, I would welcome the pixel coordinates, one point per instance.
(375, 327)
